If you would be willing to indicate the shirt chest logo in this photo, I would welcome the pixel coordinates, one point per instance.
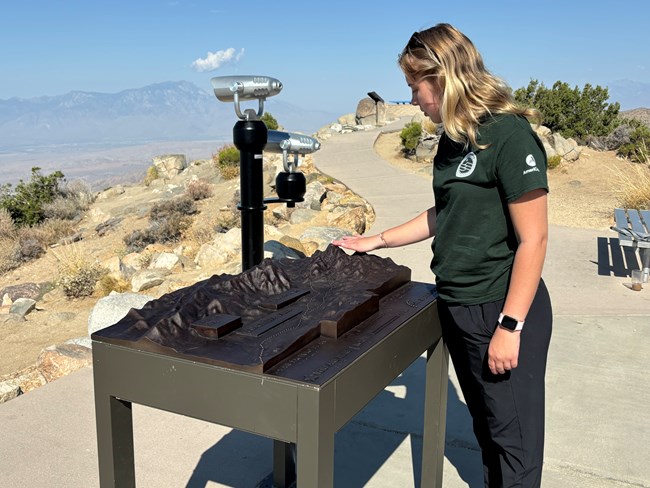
(466, 166)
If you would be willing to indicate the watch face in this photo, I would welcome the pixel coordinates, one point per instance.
(509, 323)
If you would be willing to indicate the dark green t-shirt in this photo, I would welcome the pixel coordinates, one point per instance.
(475, 242)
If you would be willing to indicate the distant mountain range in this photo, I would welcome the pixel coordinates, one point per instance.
(166, 111)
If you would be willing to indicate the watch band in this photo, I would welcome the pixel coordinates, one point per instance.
(510, 323)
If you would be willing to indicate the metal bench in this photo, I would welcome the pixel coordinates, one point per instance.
(633, 227)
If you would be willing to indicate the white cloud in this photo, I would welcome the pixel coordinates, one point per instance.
(214, 60)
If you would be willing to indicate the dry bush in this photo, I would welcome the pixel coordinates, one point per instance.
(78, 275)
(151, 175)
(74, 199)
(7, 227)
(227, 160)
(199, 190)
(62, 208)
(108, 283)
(80, 191)
(52, 231)
(183, 205)
(10, 257)
(633, 188)
(429, 126)
(199, 234)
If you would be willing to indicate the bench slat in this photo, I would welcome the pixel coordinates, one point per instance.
(645, 216)
(621, 222)
(634, 216)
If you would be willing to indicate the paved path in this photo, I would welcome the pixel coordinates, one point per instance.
(598, 428)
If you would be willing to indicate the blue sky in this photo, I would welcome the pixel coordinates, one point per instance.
(327, 54)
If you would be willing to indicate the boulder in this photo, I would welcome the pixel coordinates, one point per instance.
(370, 113)
(313, 196)
(353, 219)
(148, 278)
(22, 306)
(111, 309)
(57, 361)
(322, 236)
(24, 290)
(302, 215)
(277, 250)
(9, 390)
(169, 165)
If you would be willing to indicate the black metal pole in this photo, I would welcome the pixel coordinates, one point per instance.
(250, 137)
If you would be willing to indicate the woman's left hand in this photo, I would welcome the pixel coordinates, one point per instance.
(503, 352)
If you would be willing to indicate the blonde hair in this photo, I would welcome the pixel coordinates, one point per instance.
(470, 91)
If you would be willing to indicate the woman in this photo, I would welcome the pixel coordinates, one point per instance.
(490, 228)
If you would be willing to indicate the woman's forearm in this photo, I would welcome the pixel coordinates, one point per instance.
(415, 230)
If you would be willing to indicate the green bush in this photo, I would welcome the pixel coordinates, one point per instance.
(571, 112)
(151, 175)
(637, 149)
(410, 137)
(227, 161)
(554, 161)
(269, 121)
(26, 202)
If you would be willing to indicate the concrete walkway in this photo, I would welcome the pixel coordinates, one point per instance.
(598, 388)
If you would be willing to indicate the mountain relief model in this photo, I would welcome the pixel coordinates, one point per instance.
(254, 320)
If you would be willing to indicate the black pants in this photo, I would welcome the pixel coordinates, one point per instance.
(507, 409)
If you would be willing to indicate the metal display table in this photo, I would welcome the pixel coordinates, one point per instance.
(305, 398)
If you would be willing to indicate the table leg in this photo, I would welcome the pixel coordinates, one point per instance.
(114, 441)
(315, 438)
(284, 466)
(435, 415)
(645, 262)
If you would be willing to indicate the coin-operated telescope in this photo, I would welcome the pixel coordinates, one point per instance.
(251, 137)
(290, 185)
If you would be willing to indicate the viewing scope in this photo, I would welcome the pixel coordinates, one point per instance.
(290, 143)
(246, 87)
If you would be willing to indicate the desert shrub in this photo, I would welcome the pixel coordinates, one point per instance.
(571, 112)
(80, 191)
(62, 208)
(227, 221)
(139, 239)
(227, 161)
(7, 227)
(25, 203)
(199, 190)
(429, 126)
(554, 161)
(151, 175)
(30, 249)
(269, 121)
(51, 231)
(183, 205)
(10, 257)
(77, 274)
(168, 221)
(636, 148)
(410, 136)
(633, 189)
(199, 234)
(618, 137)
(108, 283)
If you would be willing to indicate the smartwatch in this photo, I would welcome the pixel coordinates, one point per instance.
(510, 323)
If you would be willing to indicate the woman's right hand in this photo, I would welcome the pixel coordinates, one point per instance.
(359, 243)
